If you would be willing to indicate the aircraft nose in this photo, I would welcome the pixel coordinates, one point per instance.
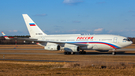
(131, 42)
(126, 44)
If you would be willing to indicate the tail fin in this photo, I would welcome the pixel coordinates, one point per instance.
(6, 37)
(33, 29)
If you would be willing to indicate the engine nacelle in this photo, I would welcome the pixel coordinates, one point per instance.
(52, 47)
(72, 49)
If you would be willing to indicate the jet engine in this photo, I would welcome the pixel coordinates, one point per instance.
(52, 47)
(72, 49)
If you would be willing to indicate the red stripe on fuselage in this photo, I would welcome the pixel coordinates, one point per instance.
(104, 44)
(98, 43)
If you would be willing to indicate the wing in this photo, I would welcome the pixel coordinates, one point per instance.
(57, 42)
(40, 41)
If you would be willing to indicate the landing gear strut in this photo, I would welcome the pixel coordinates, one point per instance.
(113, 53)
(82, 52)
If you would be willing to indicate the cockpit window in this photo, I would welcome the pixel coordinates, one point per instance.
(126, 39)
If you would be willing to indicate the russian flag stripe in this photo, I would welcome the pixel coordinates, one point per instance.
(32, 24)
(109, 44)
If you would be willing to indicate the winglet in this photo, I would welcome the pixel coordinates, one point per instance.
(6, 37)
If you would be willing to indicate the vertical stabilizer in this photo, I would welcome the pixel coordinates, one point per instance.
(33, 29)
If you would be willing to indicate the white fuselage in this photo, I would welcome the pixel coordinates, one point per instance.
(94, 42)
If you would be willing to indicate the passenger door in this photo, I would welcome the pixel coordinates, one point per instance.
(115, 39)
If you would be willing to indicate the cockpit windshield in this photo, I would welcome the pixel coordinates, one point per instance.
(127, 39)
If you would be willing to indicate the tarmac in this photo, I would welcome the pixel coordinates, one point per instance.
(119, 52)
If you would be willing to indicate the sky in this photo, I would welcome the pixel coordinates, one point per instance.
(69, 16)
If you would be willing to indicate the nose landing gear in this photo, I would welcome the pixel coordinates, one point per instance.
(113, 52)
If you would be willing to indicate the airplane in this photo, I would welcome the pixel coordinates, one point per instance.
(73, 43)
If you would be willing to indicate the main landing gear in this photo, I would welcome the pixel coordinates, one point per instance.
(68, 53)
(82, 52)
(72, 53)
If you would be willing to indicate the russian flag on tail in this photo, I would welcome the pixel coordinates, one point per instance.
(32, 24)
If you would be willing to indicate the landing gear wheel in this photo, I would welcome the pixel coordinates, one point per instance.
(67, 53)
(73, 52)
(113, 53)
(82, 52)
